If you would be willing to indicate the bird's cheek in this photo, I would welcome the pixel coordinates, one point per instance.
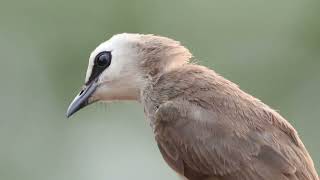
(103, 93)
(97, 95)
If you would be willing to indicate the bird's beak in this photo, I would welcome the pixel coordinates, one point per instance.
(82, 99)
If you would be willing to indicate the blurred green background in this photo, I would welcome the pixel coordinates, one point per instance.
(271, 48)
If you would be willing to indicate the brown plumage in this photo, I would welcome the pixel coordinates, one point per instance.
(205, 126)
(208, 127)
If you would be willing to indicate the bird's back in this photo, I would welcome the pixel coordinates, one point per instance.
(207, 128)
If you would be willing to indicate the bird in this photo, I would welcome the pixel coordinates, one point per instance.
(205, 126)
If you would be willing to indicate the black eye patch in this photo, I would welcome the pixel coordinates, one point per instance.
(101, 62)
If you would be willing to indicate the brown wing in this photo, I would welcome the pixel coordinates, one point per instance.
(200, 144)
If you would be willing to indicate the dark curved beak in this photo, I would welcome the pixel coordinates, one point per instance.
(82, 99)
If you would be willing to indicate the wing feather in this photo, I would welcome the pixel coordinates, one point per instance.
(200, 144)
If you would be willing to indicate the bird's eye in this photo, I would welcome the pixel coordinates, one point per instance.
(103, 59)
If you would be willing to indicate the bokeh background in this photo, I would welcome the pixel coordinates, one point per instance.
(271, 48)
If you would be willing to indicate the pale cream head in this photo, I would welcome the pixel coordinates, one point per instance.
(134, 56)
(134, 59)
(122, 79)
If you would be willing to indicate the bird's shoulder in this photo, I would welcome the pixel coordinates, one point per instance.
(199, 143)
(205, 125)
(203, 88)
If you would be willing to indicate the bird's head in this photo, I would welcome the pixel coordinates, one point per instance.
(120, 67)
